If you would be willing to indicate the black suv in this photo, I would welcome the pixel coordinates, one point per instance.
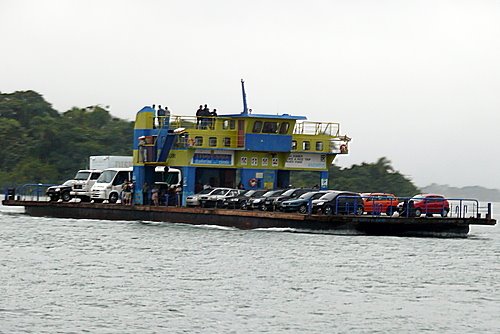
(260, 202)
(288, 195)
(62, 191)
(339, 202)
(240, 201)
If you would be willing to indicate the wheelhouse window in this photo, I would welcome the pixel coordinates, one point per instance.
(284, 128)
(227, 141)
(270, 127)
(257, 127)
(198, 140)
(294, 145)
(212, 141)
(229, 124)
(306, 145)
(319, 146)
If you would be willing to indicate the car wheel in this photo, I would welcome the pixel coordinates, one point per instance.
(53, 198)
(264, 207)
(243, 206)
(65, 196)
(444, 213)
(303, 209)
(113, 198)
(328, 210)
(418, 212)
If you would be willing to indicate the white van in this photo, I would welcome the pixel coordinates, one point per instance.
(109, 185)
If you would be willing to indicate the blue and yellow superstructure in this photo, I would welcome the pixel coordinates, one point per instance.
(253, 151)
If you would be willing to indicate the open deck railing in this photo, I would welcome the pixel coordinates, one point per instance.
(28, 192)
(402, 207)
(317, 128)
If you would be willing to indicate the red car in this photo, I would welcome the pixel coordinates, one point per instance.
(376, 203)
(427, 204)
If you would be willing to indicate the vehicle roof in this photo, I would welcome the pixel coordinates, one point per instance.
(377, 194)
(428, 195)
(119, 169)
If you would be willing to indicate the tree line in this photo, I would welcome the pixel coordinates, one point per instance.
(367, 177)
(41, 145)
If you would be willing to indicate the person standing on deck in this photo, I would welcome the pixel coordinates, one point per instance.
(199, 112)
(166, 120)
(204, 114)
(161, 116)
(145, 194)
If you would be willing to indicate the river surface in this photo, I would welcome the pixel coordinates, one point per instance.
(96, 276)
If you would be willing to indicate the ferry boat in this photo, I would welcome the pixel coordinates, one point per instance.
(252, 151)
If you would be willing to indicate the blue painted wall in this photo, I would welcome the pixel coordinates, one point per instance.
(268, 142)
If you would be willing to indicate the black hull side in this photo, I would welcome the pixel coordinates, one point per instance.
(347, 225)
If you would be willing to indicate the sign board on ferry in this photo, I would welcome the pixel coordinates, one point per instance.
(306, 160)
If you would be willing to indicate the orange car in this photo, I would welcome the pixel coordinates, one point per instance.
(376, 203)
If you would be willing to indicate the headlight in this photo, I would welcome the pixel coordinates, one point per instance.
(233, 199)
(258, 200)
(58, 189)
(320, 203)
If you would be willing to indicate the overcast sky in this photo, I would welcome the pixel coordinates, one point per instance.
(415, 81)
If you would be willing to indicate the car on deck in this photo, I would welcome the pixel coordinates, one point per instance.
(339, 202)
(257, 202)
(217, 197)
(428, 204)
(289, 194)
(377, 203)
(62, 191)
(301, 204)
(194, 200)
(240, 201)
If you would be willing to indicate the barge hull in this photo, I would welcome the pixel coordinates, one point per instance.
(346, 225)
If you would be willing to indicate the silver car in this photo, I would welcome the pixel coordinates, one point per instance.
(194, 200)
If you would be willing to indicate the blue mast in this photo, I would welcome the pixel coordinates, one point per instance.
(245, 108)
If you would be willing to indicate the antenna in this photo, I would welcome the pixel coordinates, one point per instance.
(245, 108)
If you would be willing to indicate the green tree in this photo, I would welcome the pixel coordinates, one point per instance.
(367, 177)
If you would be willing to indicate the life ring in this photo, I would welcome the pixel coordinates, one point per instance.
(252, 182)
(343, 148)
(190, 141)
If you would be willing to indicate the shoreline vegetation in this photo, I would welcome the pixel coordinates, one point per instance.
(42, 145)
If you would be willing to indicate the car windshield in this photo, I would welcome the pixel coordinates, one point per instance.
(329, 196)
(107, 176)
(310, 195)
(419, 197)
(205, 191)
(273, 193)
(289, 192)
(255, 193)
(82, 175)
(219, 192)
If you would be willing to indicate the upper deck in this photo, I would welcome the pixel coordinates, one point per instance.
(269, 133)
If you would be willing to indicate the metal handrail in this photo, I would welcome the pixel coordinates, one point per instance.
(32, 191)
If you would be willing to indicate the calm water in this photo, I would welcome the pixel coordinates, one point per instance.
(74, 276)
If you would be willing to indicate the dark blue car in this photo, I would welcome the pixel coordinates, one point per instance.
(300, 204)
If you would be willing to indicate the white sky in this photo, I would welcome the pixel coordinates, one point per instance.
(415, 81)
